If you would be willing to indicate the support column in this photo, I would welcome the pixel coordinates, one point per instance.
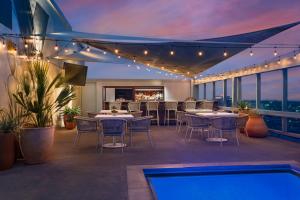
(196, 92)
(204, 90)
(234, 91)
(224, 92)
(214, 90)
(239, 89)
(258, 90)
(284, 98)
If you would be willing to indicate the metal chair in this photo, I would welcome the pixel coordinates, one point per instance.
(226, 124)
(152, 106)
(115, 105)
(189, 105)
(241, 122)
(85, 125)
(113, 128)
(180, 120)
(134, 106)
(170, 106)
(140, 125)
(196, 124)
(137, 114)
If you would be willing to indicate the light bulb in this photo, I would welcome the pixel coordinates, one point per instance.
(251, 53)
(116, 51)
(26, 45)
(88, 49)
(200, 53)
(172, 53)
(275, 52)
(225, 54)
(145, 52)
(56, 47)
(119, 57)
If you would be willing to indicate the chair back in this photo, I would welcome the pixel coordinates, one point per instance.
(171, 105)
(113, 126)
(190, 105)
(134, 106)
(152, 105)
(86, 124)
(207, 105)
(141, 123)
(137, 114)
(116, 104)
(180, 115)
(197, 121)
(224, 123)
(241, 121)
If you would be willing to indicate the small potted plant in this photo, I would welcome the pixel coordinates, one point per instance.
(69, 117)
(40, 96)
(243, 107)
(256, 126)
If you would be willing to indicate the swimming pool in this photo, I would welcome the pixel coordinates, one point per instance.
(274, 182)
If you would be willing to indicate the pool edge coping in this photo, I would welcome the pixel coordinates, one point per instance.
(138, 187)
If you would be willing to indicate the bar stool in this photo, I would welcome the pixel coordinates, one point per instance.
(152, 106)
(189, 105)
(115, 105)
(134, 106)
(169, 107)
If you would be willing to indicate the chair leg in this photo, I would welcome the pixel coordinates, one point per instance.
(98, 145)
(186, 132)
(157, 117)
(102, 142)
(130, 138)
(77, 137)
(191, 133)
(221, 137)
(149, 138)
(122, 142)
(237, 138)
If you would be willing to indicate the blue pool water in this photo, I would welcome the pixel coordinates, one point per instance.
(279, 182)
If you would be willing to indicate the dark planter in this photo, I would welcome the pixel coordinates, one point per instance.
(69, 124)
(36, 144)
(7, 151)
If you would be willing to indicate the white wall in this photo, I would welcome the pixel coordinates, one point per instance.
(92, 94)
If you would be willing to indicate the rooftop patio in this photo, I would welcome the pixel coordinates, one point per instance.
(82, 173)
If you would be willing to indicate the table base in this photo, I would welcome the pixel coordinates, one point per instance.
(114, 145)
(216, 139)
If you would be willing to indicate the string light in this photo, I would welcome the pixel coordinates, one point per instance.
(172, 53)
(162, 68)
(26, 45)
(3, 43)
(73, 43)
(56, 46)
(225, 54)
(146, 52)
(295, 55)
(119, 57)
(200, 53)
(148, 64)
(275, 53)
(116, 51)
(88, 49)
(251, 53)
(66, 50)
(104, 52)
(279, 61)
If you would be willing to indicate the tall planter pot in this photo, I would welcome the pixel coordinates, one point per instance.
(7, 151)
(36, 144)
(256, 127)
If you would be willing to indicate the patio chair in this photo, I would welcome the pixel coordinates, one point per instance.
(180, 120)
(189, 105)
(226, 124)
(170, 106)
(116, 104)
(241, 122)
(134, 106)
(85, 125)
(137, 114)
(140, 125)
(196, 124)
(152, 106)
(113, 128)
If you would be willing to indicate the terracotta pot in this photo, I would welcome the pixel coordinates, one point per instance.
(69, 125)
(256, 127)
(36, 144)
(7, 151)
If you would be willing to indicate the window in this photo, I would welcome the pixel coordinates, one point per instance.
(249, 90)
(219, 96)
(293, 125)
(201, 91)
(273, 122)
(228, 99)
(271, 90)
(293, 104)
(209, 91)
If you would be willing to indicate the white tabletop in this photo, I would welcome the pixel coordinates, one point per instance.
(198, 110)
(109, 111)
(217, 114)
(125, 116)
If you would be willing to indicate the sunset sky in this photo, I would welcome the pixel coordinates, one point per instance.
(184, 19)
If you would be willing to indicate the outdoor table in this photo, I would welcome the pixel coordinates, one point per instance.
(214, 115)
(198, 110)
(110, 112)
(114, 144)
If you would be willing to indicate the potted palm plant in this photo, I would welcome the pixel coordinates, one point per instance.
(69, 117)
(40, 96)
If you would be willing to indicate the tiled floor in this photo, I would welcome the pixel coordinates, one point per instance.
(82, 173)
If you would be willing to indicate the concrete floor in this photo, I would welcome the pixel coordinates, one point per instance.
(82, 173)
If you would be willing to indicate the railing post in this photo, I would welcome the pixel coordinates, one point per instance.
(214, 90)
(224, 92)
(204, 90)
